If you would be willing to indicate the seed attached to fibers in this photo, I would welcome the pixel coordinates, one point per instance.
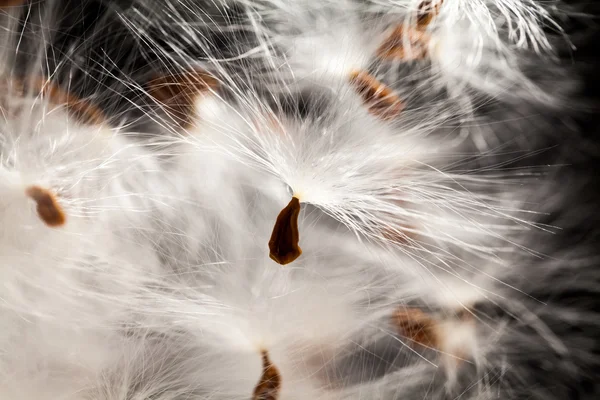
(283, 244)
(269, 385)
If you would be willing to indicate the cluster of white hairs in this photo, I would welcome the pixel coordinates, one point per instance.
(325, 199)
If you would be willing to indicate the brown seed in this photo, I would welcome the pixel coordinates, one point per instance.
(417, 326)
(47, 207)
(416, 36)
(393, 46)
(177, 93)
(83, 110)
(427, 13)
(283, 245)
(11, 3)
(380, 100)
(269, 385)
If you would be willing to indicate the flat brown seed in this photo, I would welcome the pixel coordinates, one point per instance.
(427, 13)
(269, 385)
(417, 326)
(82, 110)
(11, 3)
(380, 100)
(416, 36)
(177, 93)
(47, 207)
(283, 245)
(393, 47)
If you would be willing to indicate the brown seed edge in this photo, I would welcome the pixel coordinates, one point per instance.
(269, 384)
(48, 209)
(283, 244)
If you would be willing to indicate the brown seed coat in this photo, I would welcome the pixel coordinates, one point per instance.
(417, 326)
(269, 385)
(82, 110)
(177, 93)
(11, 3)
(283, 245)
(47, 207)
(380, 100)
(393, 46)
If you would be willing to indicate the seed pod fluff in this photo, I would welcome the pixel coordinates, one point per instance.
(298, 199)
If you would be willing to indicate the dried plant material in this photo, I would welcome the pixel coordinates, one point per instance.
(427, 13)
(453, 335)
(11, 3)
(47, 207)
(393, 46)
(283, 244)
(269, 385)
(417, 326)
(380, 100)
(177, 93)
(415, 36)
(81, 109)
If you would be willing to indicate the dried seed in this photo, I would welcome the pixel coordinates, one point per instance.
(82, 110)
(417, 326)
(393, 46)
(177, 93)
(11, 3)
(47, 207)
(416, 36)
(380, 100)
(427, 13)
(269, 385)
(283, 245)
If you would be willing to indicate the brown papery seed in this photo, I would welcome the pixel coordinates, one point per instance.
(11, 3)
(177, 93)
(82, 110)
(393, 48)
(47, 207)
(269, 385)
(427, 13)
(380, 100)
(283, 245)
(417, 326)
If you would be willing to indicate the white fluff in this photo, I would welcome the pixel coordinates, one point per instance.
(160, 286)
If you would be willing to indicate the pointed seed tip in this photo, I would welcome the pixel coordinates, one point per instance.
(269, 384)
